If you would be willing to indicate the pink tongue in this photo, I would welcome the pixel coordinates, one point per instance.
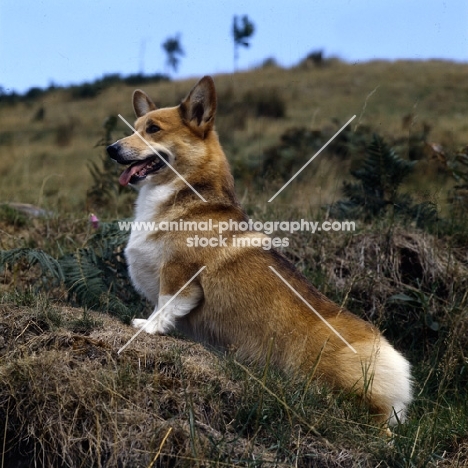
(126, 175)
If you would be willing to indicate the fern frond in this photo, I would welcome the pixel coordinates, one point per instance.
(378, 181)
(49, 265)
(96, 275)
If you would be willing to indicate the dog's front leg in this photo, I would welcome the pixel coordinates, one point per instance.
(170, 304)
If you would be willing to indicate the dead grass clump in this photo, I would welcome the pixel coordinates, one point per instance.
(402, 257)
(69, 399)
(66, 397)
(383, 262)
(458, 457)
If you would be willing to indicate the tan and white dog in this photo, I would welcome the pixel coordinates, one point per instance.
(237, 302)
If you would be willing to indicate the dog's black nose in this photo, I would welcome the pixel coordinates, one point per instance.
(113, 151)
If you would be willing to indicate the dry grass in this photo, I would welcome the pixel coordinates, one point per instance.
(68, 399)
(74, 398)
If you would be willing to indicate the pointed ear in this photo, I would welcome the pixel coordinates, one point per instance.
(199, 107)
(142, 103)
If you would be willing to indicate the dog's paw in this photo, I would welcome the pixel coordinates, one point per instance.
(155, 326)
(149, 327)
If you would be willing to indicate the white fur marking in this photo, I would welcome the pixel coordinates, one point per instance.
(163, 321)
(144, 256)
(182, 308)
(391, 381)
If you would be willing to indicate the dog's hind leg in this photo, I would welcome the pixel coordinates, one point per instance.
(170, 307)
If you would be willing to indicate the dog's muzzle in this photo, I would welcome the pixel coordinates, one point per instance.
(138, 169)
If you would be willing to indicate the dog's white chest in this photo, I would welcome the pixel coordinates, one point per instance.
(144, 253)
(144, 259)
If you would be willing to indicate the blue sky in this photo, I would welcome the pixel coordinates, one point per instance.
(73, 41)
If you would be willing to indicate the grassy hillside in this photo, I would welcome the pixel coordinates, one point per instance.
(68, 399)
(43, 160)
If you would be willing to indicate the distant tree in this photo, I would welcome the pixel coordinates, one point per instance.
(174, 51)
(242, 30)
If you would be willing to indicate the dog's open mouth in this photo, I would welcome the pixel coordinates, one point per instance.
(139, 170)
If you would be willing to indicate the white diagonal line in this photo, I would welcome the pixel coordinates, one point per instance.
(312, 158)
(161, 309)
(311, 308)
(155, 151)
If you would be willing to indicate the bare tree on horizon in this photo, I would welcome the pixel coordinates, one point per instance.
(242, 29)
(174, 51)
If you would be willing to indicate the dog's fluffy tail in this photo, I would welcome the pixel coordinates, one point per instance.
(392, 382)
(382, 377)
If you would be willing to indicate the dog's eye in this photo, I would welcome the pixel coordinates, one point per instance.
(152, 128)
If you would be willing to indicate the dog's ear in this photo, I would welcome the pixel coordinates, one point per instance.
(199, 107)
(142, 103)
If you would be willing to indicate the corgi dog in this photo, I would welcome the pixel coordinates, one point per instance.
(235, 296)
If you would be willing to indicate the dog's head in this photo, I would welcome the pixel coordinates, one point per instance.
(179, 137)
